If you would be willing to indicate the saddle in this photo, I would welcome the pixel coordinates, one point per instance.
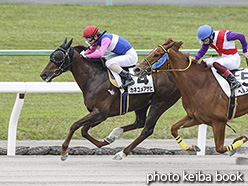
(241, 75)
(142, 85)
(114, 78)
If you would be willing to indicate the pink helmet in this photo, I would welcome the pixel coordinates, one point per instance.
(90, 31)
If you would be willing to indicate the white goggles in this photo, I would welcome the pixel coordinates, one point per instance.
(89, 40)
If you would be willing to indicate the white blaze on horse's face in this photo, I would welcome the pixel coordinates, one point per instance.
(154, 50)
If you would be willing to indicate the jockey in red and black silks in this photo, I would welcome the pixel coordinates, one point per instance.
(223, 41)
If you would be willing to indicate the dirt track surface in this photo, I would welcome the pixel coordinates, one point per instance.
(131, 171)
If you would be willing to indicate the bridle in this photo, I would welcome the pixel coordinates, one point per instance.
(168, 63)
(150, 65)
(63, 62)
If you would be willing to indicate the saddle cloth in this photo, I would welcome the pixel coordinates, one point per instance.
(241, 75)
(142, 85)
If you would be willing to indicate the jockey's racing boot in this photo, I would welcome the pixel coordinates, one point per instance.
(128, 80)
(234, 84)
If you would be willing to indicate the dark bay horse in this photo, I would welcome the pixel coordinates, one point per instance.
(102, 99)
(202, 98)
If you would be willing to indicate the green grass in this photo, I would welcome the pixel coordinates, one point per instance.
(49, 116)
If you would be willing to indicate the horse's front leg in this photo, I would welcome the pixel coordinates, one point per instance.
(185, 122)
(139, 123)
(92, 119)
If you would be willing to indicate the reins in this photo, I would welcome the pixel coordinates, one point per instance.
(70, 63)
(167, 51)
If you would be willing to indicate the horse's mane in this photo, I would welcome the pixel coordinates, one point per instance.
(80, 48)
(201, 66)
(97, 62)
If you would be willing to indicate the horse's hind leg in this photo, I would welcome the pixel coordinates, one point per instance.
(155, 112)
(238, 142)
(244, 138)
(219, 137)
(139, 123)
(185, 122)
(92, 119)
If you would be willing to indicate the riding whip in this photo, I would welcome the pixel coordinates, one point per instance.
(96, 40)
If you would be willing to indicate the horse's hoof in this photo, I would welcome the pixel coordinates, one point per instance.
(64, 157)
(196, 148)
(232, 152)
(109, 140)
(119, 156)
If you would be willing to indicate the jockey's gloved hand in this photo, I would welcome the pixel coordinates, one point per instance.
(245, 55)
(83, 53)
(192, 58)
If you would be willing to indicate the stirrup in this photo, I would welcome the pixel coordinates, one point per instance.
(128, 84)
(235, 85)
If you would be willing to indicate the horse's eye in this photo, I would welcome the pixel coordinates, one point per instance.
(156, 55)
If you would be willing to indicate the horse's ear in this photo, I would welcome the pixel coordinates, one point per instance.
(69, 44)
(177, 45)
(64, 43)
(167, 41)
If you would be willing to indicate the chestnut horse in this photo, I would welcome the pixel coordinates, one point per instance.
(202, 98)
(102, 99)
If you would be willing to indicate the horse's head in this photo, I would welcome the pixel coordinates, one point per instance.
(145, 67)
(60, 61)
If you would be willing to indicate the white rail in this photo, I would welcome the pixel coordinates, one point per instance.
(21, 88)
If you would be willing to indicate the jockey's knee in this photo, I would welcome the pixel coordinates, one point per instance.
(108, 63)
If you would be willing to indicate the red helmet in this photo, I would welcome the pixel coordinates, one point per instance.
(90, 31)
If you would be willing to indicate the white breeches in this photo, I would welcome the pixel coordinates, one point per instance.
(231, 62)
(129, 59)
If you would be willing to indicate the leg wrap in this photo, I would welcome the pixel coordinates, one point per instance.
(183, 145)
(237, 144)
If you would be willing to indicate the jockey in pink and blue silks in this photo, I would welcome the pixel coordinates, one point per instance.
(223, 41)
(123, 55)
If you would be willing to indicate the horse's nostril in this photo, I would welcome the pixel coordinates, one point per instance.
(43, 76)
(137, 70)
